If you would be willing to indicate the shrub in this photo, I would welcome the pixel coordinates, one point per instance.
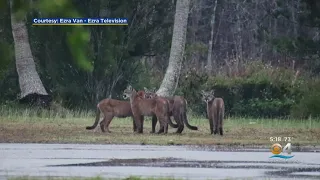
(260, 91)
(309, 103)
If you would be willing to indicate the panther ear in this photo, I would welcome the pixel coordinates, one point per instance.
(154, 90)
(202, 92)
(129, 87)
(212, 92)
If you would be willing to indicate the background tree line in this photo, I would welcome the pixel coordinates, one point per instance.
(262, 57)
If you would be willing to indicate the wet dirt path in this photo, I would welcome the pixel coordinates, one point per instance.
(120, 161)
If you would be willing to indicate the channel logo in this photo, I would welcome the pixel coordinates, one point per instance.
(276, 150)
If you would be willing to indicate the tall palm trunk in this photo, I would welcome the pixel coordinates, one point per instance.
(171, 78)
(213, 21)
(31, 87)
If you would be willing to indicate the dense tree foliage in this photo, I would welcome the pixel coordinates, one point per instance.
(263, 55)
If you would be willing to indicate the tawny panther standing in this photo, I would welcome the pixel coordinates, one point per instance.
(111, 108)
(177, 107)
(215, 111)
(141, 107)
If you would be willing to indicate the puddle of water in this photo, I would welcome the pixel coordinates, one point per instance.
(179, 162)
(274, 168)
(316, 174)
(297, 172)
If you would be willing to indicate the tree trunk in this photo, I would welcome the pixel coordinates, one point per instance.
(239, 51)
(31, 87)
(294, 17)
(209, 58)
(171, 77)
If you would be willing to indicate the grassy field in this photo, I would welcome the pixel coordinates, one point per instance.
(28, 126)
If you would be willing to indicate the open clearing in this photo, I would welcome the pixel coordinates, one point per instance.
(238, 131)
(242, 152)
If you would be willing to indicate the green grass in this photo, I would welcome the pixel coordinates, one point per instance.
(43, 126)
